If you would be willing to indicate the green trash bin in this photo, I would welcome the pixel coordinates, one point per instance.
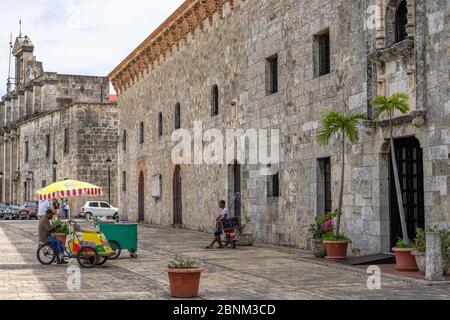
(125, 234)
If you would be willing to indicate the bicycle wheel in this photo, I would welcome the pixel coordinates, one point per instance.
(45, 254)
(87, 257)
(102, 260)
(117, 248)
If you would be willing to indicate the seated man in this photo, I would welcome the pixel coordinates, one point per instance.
(225, 214)
(45, 236)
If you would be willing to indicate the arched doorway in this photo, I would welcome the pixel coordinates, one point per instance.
(141, 198)
(177, 198)
(409, 156)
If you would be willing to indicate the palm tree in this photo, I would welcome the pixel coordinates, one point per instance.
(398, 102)
(345, 126)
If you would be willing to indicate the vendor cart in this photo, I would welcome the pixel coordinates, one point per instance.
(121, 236)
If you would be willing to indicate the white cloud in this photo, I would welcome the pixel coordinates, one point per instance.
(80, 36)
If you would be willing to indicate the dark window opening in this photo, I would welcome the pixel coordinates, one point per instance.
(124, 140)
(401, 21)
(47, 146)
(141, 135)
(324, 202)
(273, 185)
(66, 140)
(272, 75)
(215, 101)
(177, 116)
(26, 152)
(322, 53)
(160, 124)
(44, 183)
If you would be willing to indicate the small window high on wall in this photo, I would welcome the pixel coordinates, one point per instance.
(177, 116)
(215, 101)
(141, 135)
(322, 53)
(160, 124)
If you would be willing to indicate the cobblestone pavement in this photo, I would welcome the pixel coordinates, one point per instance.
(261, 272)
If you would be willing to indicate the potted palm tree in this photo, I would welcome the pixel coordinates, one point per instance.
(344, 126)
(184, 278)
(388, 106)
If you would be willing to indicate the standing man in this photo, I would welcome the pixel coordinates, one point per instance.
(224, 214)
(44, 205)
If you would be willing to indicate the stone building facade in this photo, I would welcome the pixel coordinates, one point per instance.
(283, 64)
(54, 127)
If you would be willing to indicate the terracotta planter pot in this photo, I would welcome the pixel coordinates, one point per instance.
(62, 238)
(336, 249)
(405, 260)
(318, 248)
(184, 283)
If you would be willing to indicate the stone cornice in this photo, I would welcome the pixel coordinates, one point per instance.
(184, 21)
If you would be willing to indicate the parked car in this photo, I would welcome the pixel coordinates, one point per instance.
(99, 209)
(28, 210)
(13, 212)
(3, 209)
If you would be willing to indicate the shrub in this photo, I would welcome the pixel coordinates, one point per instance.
(180, 263)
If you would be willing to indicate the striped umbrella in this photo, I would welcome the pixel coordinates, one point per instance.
(68, 189)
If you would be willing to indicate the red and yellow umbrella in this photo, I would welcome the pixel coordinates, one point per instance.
(68, 189)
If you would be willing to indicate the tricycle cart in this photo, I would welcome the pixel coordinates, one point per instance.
(121, 236)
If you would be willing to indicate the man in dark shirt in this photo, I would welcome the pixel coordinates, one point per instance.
(45, 235)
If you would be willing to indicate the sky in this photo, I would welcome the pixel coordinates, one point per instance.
(86, 37)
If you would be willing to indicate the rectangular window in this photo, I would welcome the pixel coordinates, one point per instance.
(47, 146)
(273, 186)
(160, 124)
(141, 138)
(66, 140)
(322, 53)
(272, 75)
(26, 152)
(124, 140)
(124, 181)
(44, 183)
(324, 203)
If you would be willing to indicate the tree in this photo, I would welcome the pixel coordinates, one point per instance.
(398, 102)
(344, 126)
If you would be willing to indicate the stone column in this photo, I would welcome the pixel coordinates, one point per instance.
(8, 175)
(434, 268)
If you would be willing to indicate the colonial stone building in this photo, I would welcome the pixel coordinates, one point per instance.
(283, 64)
(54, 127)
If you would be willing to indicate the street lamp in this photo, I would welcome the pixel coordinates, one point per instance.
(54, 166)
(109, 163)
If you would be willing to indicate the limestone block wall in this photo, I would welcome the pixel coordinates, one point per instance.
(92, 140)
(186, 76)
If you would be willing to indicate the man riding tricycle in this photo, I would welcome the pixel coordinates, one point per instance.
(89, 247)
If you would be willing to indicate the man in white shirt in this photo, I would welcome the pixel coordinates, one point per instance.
(44, 205)
(225, 214)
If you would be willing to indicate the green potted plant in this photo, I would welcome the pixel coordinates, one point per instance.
(403, 256)
(319, 229)
(245, 238)
(421, 248)
(344, 127)
(389, 106)
(184, 278)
